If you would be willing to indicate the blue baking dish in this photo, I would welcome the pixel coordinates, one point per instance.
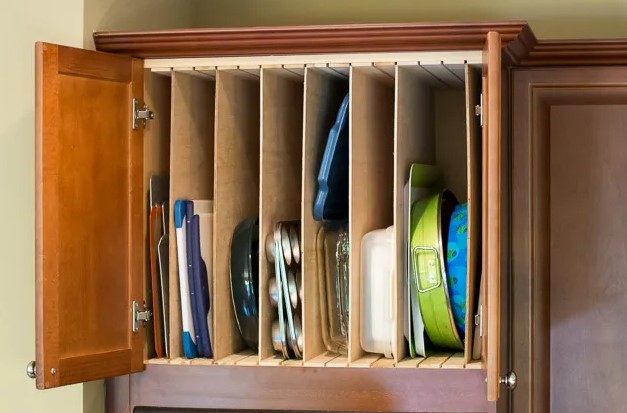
(331, 203)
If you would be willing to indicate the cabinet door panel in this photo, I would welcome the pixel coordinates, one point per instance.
(89, 256)
(493, 213)
(568, 233)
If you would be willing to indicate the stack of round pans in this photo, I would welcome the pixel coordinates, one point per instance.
(286, 288)
(433, 250)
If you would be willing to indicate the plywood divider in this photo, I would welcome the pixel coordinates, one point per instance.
(413, 143)
(451, 150)
(191, 171)
(281, 167)
(324, 91)
(473, 139)
(157, 96)
(483, 286)
(371, 157)
(236, 190)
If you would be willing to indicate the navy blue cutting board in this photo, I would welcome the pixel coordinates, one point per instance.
(189, 213)
(201, 287)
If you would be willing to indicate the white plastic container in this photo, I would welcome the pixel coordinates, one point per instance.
(378, 329)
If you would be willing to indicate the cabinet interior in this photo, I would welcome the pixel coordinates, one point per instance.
(249, 134)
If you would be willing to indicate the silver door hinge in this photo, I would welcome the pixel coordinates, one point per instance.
(141, 114)
(139, 314)
(479, 109)
(478, 322)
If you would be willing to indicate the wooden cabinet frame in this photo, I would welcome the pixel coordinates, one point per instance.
(537, 92)
(506, 45)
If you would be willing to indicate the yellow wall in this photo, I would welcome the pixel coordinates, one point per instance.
(103, 15)
(21, 24)
(548, 18)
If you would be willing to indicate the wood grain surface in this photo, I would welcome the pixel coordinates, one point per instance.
(89, 215)
(281, 40)
(568, 238)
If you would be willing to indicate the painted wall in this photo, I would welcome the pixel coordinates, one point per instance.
(21, 24)
(548, 18)
(104, 15)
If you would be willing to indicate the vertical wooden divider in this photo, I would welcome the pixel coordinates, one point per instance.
(483, 286)
(236, 190)
(371, 179)
(280, 177)
(473, 136)
(191, 170)
(413, 143)
(157, 95)
(451, 150)
(324, 91)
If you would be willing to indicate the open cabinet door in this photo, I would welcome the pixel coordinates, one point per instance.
(89, 229)
(494, 217)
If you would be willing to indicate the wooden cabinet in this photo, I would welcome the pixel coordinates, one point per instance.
(568, 261)
(239, 118)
